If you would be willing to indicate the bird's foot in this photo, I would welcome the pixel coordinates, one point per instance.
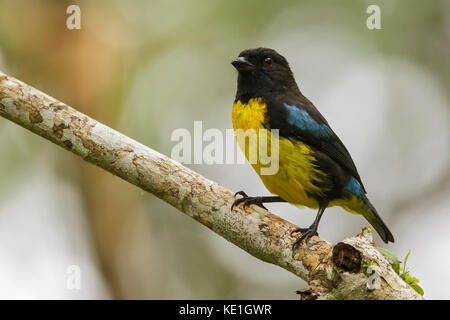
(307, 233)
(302, 230)
(246, 200)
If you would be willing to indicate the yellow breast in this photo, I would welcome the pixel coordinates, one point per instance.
(250, 115)
(296, 170)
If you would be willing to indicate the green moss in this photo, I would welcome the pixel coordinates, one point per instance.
(401, 271)
(393, 260)
(336, 270)
(412, 281)
(372, 266)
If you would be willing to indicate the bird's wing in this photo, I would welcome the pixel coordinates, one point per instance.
(303, 121)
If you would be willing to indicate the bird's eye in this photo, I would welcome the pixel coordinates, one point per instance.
(268, 62)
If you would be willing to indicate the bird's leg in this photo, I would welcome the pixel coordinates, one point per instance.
(312, 230)
(246, 200)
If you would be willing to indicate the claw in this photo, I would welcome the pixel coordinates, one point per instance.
(241, 193)
(237, 202)
(307, 233)
(302, 230)
(246, 200)
(311, 231)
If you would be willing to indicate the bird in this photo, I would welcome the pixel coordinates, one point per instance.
(315, 169)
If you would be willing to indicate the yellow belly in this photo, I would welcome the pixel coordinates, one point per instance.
(296, 172)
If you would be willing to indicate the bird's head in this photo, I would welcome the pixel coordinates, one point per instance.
(262, 71)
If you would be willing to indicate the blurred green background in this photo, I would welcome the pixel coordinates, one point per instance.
(146, 68)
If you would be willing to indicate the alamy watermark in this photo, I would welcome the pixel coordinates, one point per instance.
(373, 280)
(73, 281)
(74, 20)
(373, 22)
(214, 147)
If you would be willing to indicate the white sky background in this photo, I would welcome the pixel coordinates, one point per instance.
(42, 233)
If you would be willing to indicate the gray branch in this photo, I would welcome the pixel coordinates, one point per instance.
(332, 272)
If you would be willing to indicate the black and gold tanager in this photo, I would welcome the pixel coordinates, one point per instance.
(315, 169)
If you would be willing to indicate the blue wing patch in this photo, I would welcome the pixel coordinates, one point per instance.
(302, 120)
(354, 187)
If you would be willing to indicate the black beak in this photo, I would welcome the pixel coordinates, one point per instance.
(242, 64)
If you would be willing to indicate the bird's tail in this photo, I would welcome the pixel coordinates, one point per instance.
(370, 213)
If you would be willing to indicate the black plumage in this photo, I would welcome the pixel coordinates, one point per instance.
(265, 74)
